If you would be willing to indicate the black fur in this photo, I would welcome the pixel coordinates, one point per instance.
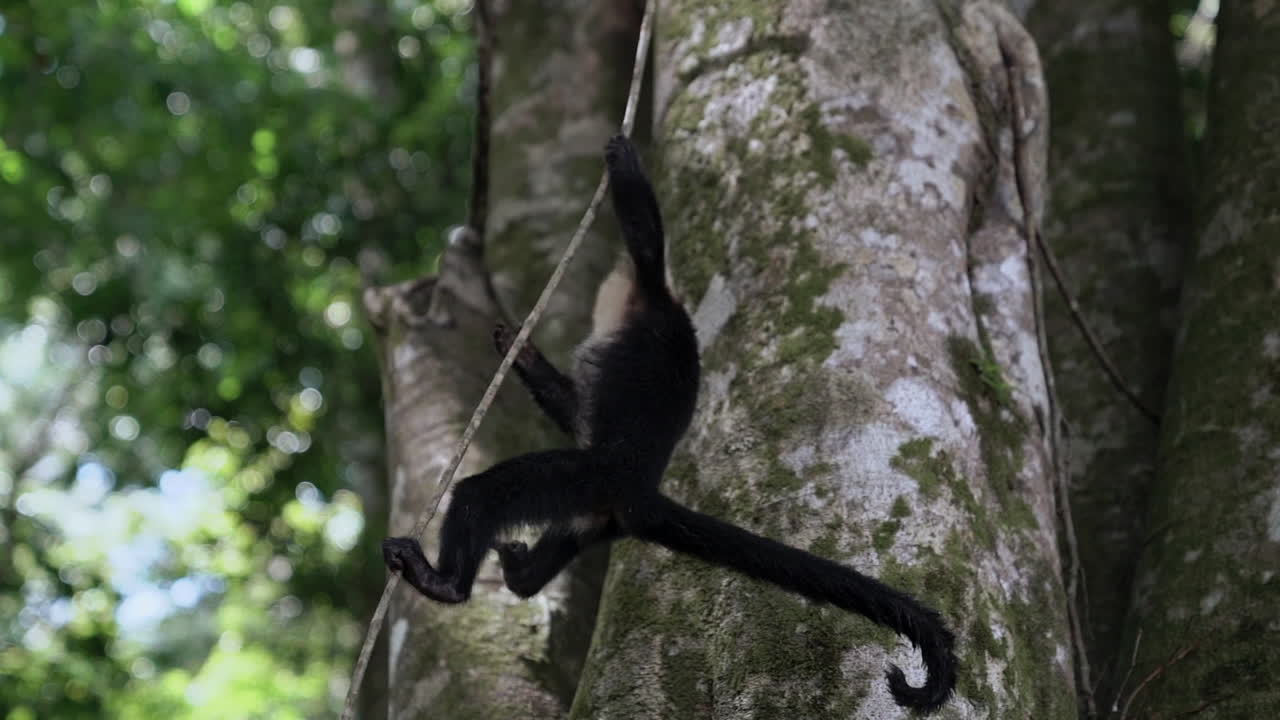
(633, 400)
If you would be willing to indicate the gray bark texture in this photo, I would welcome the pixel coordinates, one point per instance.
(560, 75)
(847, 188)
(1118, 221)
(1209, 595)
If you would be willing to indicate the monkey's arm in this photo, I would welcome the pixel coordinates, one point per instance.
(527, 571)
(551, 487)
(551, 389)
(637, 209)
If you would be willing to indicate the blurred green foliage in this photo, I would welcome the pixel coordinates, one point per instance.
(1192, 25)
(190, 424)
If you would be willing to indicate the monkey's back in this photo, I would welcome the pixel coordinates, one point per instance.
(638, 385)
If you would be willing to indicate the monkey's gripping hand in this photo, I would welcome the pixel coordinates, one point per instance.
(621, 158)
(503, 337)
(403, 555)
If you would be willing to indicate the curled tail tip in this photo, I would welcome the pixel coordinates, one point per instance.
(927, 698)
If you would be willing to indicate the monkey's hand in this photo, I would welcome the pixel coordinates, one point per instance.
(504, 336)
(621, 158)
(403, 555)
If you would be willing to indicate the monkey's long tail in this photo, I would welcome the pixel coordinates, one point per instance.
(668, 523)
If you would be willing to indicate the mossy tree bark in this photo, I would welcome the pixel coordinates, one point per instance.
(1118, 223)
(847, 187)
(560, 76)
(1209, 595)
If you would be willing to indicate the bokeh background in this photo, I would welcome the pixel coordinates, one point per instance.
(192, 193)
(190, 411)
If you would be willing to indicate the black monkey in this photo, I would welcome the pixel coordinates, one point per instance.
(632, 397)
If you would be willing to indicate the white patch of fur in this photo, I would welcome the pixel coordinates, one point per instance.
(583, 524)
(611, 300)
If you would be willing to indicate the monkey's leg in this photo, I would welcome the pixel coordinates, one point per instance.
(551, 487)
(551, 389)
(637, 209)
(527, 571)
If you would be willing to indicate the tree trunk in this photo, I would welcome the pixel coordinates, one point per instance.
(559, 71)
(847, 188)
(1118, 223)
(1209, 598)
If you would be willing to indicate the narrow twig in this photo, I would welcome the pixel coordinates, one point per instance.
(1133, 662)
(1202, 706)
(1051, 261)
(1113, 373)
(446, 479)
(1058, 456)
(1074, 573)
(1173, 660)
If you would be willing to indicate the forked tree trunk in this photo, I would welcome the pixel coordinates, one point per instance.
(1118, 221)
(1209, 601)
(560, 72)
(846, 188)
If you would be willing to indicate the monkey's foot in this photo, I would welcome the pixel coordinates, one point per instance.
(514, 557)
(404, 556)
(515, 551)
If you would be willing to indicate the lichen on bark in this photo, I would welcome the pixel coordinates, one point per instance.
(821, 169)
